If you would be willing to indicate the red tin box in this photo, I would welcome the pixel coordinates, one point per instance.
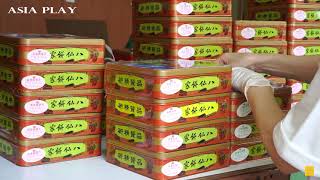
(261, 47)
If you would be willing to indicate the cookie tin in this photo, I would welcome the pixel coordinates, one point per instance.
(186, 48)
(171, 165)
(244, 130)
(304, 48)
(304, 13)
(30, 153)
(36, 49)
(168, 139)
(161, 79)
(303, 31)
(261, 47)
(297, 87)
(57, 103)
(159, 8)
(169, 112)
(183, 27)
(268, 13)
(260, 30)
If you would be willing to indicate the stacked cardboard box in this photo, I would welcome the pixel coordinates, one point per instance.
(50, 97)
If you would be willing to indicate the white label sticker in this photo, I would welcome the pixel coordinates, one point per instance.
(244, 50)
(36, 107)
(243, 131)
(296, 88)
(33, 155)
(33, 82)
(244, 110)
(299, 51)
(39, 56)
(186, 63)
(186, 52)
(300, 15)
(240, 154)
(172, 168)
(184, 8)
(171, 86)
(299, 33)
(33, 131)
(186, 30)
(171, 115)
(248, 33)
(172, 142)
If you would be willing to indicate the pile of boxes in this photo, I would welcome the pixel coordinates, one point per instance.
(51, 91)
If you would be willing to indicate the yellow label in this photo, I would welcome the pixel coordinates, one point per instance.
(130, 159)
(204, 63)
(266, 1)
(150, 8)
(198, 162)
(207, 28)
(66, 127)
(6, 75)
(200, 83)
(313, 50)
(208, 51)
(151, 49)
(199, 109)
(206, 6)
(151, 28)
(130, 82)
(305, 86)
(66, 79)
(254, 128)
(268, 16)
(69, 54)
(130, 133)
(131, 108)
(6, 51)
(65, 150)
(309, 171)
(312, 33)
(313, 15)
(265, 50)
(199, 135)
(6, 123)
(5, 147)
(68, 103)
(7, 98)
(266, 32)
(257, 150)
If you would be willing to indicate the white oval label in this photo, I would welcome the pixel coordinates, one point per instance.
(296, 88)
(244, 110)
(243, 131)
(244, 50)
(39, 56)
(248, 33)
(299, 51)
(186, 30)
(184, 8)
(33, 155)
(300, 15)
(186, 63)
(299, 33)
(172, 142)
(36, 107)
(171, 86)
(33, 82)
(172, 168)
(171, 115)
(240, 154)
(186, 52)
(33, 131)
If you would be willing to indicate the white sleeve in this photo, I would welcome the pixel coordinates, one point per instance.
(297, 137)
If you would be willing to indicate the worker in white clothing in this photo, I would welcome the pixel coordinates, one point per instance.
(292, 140)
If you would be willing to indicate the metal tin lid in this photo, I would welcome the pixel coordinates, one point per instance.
(169, 68)
(165, 101)
(191, 19)
(261, 23)
(62, 93)
(68, 67)
(306, 25)
(150, 127)
(305, 6)
(248, 142)
(193, 41)
(48, 39)
(164, 156)
(311, 42)
(262, 43)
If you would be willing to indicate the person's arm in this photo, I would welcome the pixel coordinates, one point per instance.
(292, 67)
(268, 114)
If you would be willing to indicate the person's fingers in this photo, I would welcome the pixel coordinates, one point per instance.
(223, 59)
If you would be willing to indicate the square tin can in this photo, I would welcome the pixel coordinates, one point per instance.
(268, 13)
(171, 165)
(261, 47)
(36, 49)
(244, 130)
(304, 48)
(297, 86)
(304, 13)
(161, 79)
(303, 31)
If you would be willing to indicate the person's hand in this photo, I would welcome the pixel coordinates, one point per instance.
(243, 79)
(238, 59)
